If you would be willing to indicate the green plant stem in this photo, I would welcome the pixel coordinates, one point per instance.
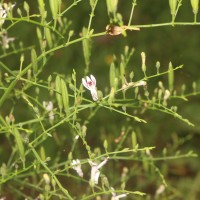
(167, 24)
(14, 82)
(91, 16)
(50, 172)
(132, 10)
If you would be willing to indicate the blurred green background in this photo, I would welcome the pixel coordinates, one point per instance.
(179, 45)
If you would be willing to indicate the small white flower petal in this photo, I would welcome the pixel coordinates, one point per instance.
(140, 83)
(88, 79)
(76, 165)
(85, 83)
(93, 79)
(94, 94)
(102, 163)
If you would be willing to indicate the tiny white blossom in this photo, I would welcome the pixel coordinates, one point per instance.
(166, 95)
(90, 84)
(76, 165)
(6, 40)
(49, 108)
(116, 197)
(46, 178)
(3, 14)
(133, 84)
(95, 170)
(3, 11)
(140, 83)
(160, 190)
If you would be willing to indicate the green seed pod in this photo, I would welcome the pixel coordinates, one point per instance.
(143, 57)
(19, 143)
(112, 75)
(87, 46)
(194, 86)
(34, 61)
(195, 6)
(173, 5)
(105, 144)
(26, 8)
(158, 66)
(134, 139)
(48, 37)
(59, 92)
(65, 97)
(171, 77)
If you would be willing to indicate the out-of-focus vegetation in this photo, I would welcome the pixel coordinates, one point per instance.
(37, 150)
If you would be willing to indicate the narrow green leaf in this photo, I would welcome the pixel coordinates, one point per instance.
(19, 144)
(59, 92)
(65, 97)
(34, 61)
(171, 77)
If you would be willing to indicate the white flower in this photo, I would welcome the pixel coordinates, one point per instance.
(3, 12)
(160, 190)
(46, 178)
(90, 84)
(95, 171)
(6, 40)
(116, 197)
(76, 165)
(166, 95)
(49, 108)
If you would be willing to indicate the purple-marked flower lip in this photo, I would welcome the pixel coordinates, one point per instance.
(89, 82)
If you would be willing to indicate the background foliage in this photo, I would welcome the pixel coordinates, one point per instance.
(32, 146)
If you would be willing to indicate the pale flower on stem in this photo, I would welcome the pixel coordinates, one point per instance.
(76, 165)
(90, 84)
(95, 171)
(133, 84)
(6, 40)
(49, 108)
(116, 197)
(3, 14)
(3, 11)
